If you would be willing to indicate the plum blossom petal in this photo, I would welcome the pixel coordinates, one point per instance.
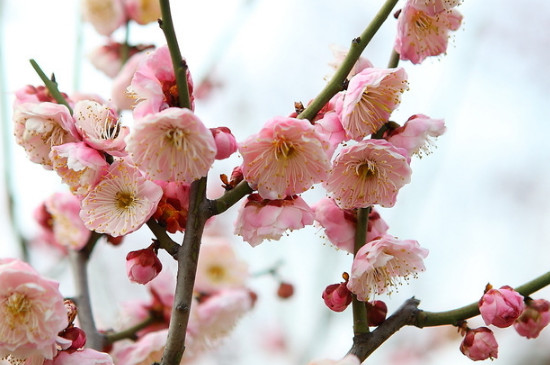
(370, 172)
(78, 165)
(32, 312)
(260, 219)
(121, 202)
(172, 145)
(285, 158)
(382, 263)
(479, 344)
(40, 126)
(501, 307)
(372, 95)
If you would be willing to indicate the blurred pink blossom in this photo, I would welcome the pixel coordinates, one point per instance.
(260, 219)
(371, 97)
(370, 172)
(143, 11)
(32, 312)
(120, 95)
(347, 360)
(382, 263)
(340, 54)
(121, 202)
(104, 15)
(172, 145)
(285, 158)
(68, 229)
(81, 357)
(219, 267)
(479, 344)
(534, 318)
(501, 307)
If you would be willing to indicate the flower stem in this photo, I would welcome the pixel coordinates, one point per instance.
(130, 333)
(230, 197)
(79, 263)
(358, 45)
(164, 240)
(51, 86)
(188, 255)
(360, 323)
(394, 59)
(180, 66)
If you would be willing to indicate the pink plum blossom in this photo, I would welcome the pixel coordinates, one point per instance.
(68, 229)
(340, 54)
(172, 145)
(40, 126)
(35, 94)
(100, 127)
(534, 318)
(32, 312)
(382, 263)
(260, 219)
(219, 313)
(226, 144)
(78, 165)
(105, 15)
(285, 158)
(329, 124)
(143, 11)
(107, 58)
(370, 172)
(147, 350)
(479, 344)
(219, 267)
(371, 97)
(81, 357)
(347, 360)
(416, 134)
(501, 307)
(142, 266)
(121, 202)
(120, 95)
(433, 7)
(154, 84)
(339, 224)
(422, 31)
(172, 209)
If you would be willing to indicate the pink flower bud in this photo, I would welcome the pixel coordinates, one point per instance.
(479, 344)
(142, 266)
(225, 142)
(376, 312)
(534, 318)
(337, 296)
(501, 307)
(76, 335)
(285, 290)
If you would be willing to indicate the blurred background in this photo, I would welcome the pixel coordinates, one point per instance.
(480, 202)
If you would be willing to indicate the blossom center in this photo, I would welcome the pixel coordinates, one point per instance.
(283, 149)
(125, 199)
(171, 94)
(367, 170)
(216, 273)
(108, 129)
(176, 137)
(16, 307)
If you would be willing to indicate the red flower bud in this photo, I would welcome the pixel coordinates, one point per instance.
(337, 296)
(142, 266)
(376, 312)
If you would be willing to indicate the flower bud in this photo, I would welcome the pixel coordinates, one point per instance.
(76, 335)
(337, 296)
(225, 142)
(285, 290)
(501, 307)
(534, 318)
(479, 344)
(376, 312)
(72, 310)
(142, 266)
